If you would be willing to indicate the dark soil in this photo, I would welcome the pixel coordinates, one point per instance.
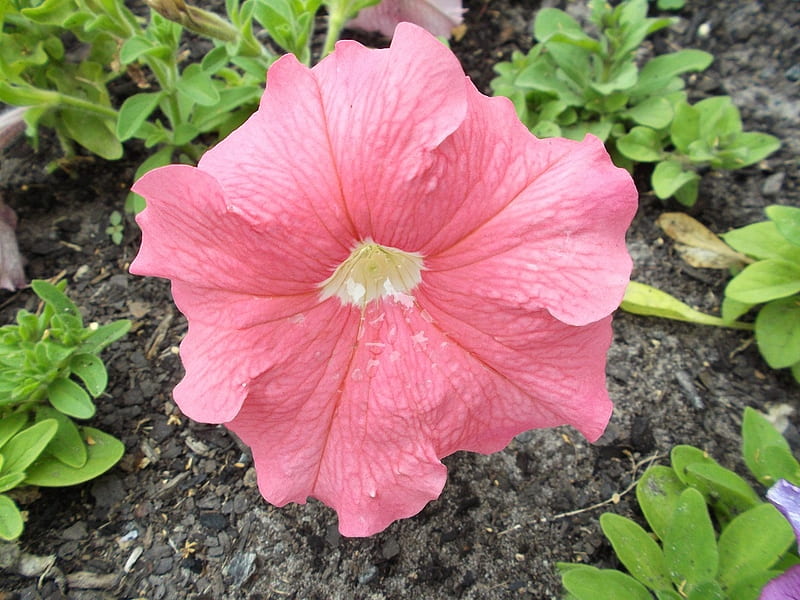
(180, 517)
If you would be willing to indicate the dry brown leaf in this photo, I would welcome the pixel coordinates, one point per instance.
(698, 245)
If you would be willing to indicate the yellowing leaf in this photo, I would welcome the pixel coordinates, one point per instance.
(641, 299)
(698, 245)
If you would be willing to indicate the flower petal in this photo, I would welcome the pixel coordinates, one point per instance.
(362, 426)
(224, 366)
(537, 223)
(437, 16)
(189, 234)
(347, 107)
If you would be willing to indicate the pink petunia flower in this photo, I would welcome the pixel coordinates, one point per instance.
(786, 498)
(437, 16)
(382, 266)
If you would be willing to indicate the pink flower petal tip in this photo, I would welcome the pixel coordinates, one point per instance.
(381, 267)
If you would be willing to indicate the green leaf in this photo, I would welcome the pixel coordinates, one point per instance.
(54, 296)
(70, 398)
(723, 489)
(590, 583)
(749, 588)
(10, 425)
(683, 456)
(654, 112)
(751, 543)
(11, 523)
(641, 144)
(719, 118)
(732, 310)
(93, 132)
(105, 335)
(26, 446)
(669, 176)
(551, 21)
(67, 444)
(135, 111)
(135, 47)
(642, 299)
(91, 370)
(778, 332)
(685, 128)
(690, 546)
(624, 79)
(658, 492)
(104, 451)
(787, 220)
(636, 550)
(198, 85)
(657, 73)
(747, 148)
(764, 281)
(707, 590)
(11, 480)
(766, 452)
(762, 240)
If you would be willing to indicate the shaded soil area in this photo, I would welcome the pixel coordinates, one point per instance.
(180, 517)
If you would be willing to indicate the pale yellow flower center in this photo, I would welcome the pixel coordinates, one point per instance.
(373, 271)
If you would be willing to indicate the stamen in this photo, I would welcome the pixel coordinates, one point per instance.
(373, 271)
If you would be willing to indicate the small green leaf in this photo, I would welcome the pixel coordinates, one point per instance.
(685, 128)
(11, 523)
(198, 85)
(654, 112)
(636, 550)
(787, 220)
(11, 480)
(54, 296)
(658, 492)
(723, 489)
(641, 144)
(96, 134)
(732, 310)
(766, 452)
(91, 370)
(669, 176)
(26, 446)
(707, 590)
(135, 111)
(66, 445)
(747, 148)
(764, 281)
(659, 71)
(10, 425)
(778, 332)
(70, 398)
(104, 451)
(683, 456)
(749, 588)
(589, 583)
(105, 335)
(690, 545)
(762, 240)
(752, 542)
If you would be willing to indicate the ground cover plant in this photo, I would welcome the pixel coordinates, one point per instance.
(49, 373)
(502, 521)
(688, 554)
(572, 83)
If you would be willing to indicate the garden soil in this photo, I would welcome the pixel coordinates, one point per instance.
(180, 517)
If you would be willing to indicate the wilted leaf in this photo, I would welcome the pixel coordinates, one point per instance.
(698, 245)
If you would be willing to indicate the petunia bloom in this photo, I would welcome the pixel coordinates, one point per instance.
(382, 266)
(786, 498)
(437, 16)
